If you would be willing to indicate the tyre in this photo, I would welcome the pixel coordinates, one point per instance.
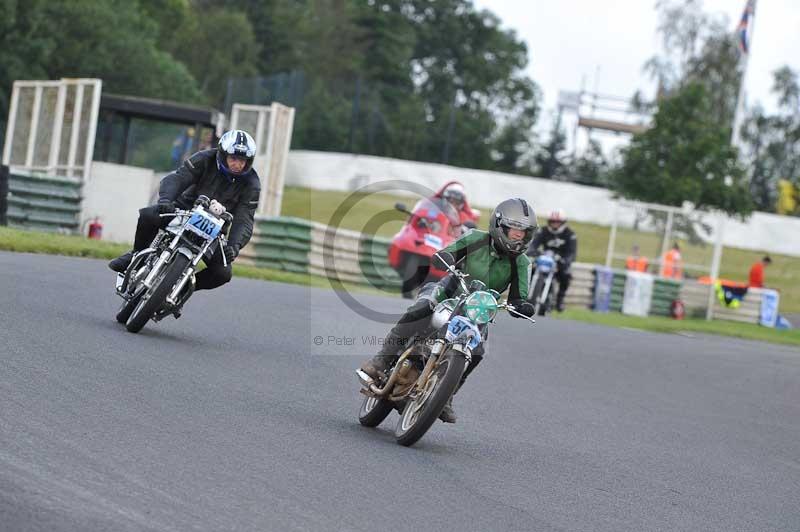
(414, 271)
(420, 414)
(373, 411)
(127, 308)
(153, 299)
(541, 310)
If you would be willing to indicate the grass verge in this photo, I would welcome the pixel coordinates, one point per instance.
(749, 331)
(54, 244)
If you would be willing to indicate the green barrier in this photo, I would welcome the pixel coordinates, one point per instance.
(617, 291)
(374, 263)
(44, 203)
(281, 243)
(665, 291)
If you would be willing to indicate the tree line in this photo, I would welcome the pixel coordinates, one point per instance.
(437, 81)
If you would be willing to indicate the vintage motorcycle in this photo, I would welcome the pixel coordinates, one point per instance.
(428, 372)
(160, 278)
(541, 282)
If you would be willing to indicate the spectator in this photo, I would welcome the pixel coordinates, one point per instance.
(757, 272)
(636, 262)
(672, 263)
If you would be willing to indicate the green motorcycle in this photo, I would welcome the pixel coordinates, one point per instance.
(428, 372)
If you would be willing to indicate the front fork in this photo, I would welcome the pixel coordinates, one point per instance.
(172, 298)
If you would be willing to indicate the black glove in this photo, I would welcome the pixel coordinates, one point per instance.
(522, 307)
(231, 252)
(166, 207)
(442, 259)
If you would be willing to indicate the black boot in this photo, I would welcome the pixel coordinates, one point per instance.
(376, 366)
(448, 415)
(121, 263)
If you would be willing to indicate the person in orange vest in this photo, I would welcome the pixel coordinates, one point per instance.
(636, 262)
(757, 272)
(672, 263)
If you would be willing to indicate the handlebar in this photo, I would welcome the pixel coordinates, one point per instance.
(461, 276)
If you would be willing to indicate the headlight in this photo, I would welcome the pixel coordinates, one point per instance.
(480, 307)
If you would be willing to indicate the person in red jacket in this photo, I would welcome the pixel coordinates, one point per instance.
(757, 272)
(454, 193)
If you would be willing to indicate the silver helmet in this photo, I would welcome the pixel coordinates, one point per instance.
(513, 213)
(236, 143)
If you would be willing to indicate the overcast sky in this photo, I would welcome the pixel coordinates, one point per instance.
(608, 41)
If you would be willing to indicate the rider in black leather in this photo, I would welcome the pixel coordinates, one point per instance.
(561, 240)
(225, 174)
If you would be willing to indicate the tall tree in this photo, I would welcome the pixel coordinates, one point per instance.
(684, 157)
(772, 142)
(591, 167)
(550, 158)
(116, 41)
(697, 48)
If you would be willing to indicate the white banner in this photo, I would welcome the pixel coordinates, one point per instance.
(638, 293)
(769, 308)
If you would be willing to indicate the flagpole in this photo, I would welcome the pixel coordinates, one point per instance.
(738, 116)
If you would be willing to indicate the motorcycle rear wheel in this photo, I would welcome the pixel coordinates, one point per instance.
(420, 414)
(154, 298)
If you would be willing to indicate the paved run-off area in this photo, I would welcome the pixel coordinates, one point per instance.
(233, 418)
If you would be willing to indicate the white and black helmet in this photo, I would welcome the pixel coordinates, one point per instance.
(513, 213)
(239, 143)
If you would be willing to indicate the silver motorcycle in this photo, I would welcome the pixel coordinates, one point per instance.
(160, 278)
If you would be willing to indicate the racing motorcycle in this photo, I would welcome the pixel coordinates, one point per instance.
(432, 225)
(541, 282)
(160, 278)
(428, 372)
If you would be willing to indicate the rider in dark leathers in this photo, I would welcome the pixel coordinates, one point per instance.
(561, 240)
(225, 174)
(496, 257)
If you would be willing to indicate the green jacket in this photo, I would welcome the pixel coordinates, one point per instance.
(481, 261)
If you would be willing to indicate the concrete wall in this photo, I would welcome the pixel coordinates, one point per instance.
(115, 193)
(344, 172)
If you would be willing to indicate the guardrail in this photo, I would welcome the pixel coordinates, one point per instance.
(3, 194)
(298, 245)
(302, 246)
(43, 203)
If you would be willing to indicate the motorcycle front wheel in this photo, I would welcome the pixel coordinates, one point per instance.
(127, 308)
(154, 298)
(422, 412)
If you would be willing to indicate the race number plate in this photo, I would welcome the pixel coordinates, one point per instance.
(458, 325)
(204, 225)
(433, 241)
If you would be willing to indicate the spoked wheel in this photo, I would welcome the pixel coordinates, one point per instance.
(374, 410)
(152, 300)
(422, 411)
(127, 308)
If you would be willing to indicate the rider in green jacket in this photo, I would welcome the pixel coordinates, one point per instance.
(496, 257)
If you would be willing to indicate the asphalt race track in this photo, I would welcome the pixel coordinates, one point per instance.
(233, 418)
